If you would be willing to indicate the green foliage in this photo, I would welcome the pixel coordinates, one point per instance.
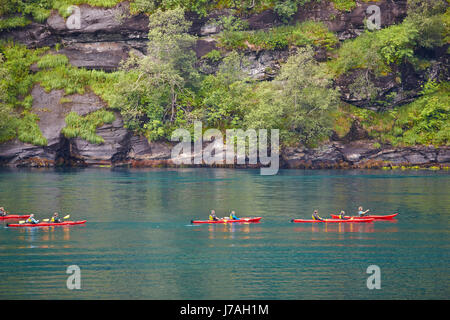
(426, 120)
(286, 9)
(203, 7)
(314, 33)
(425, 26)
(16, 82)
(17, 62)
(39, 10)
(85, 127)
(213, 56)
(299, 102)
(396, 43)
(344, 5)
(306, 33)
(376, 50)
(162, 78)
(230, 23)
(422, 122)
(13, 22)
(52, 61)
(56, 73)
(223, 95)
(307, 97)
(428, 18)
(28, 130)
(8, 123)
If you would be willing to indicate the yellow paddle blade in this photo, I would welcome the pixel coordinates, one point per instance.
(21, 221)
(67, 217)
(45, 220)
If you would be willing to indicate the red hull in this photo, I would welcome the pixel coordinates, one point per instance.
(15, 216)
(331, 220)
(228, 220)
(376, 217)
(45, 224)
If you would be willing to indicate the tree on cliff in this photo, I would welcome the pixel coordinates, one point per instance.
(299, 101)
(164, 74)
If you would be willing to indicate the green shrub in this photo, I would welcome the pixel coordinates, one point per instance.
(85, 127)
(28, 130)
(424, 121)
(8, 124)
(344, 5)
(213, 56)
(52, 61)
(19, 80)
(13, 22)
(306, 33)
(376, 50)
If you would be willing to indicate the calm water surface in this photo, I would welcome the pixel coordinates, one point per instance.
(138, 242)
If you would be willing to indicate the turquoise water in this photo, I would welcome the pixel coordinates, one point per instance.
(138, 242)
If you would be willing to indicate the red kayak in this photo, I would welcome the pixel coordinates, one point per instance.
(332, 220)
(15, 216)
(376, 217)
(256, 219)
(46, 224)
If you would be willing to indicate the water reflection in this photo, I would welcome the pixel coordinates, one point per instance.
(45, 237)
(243, 231)
(348, 227)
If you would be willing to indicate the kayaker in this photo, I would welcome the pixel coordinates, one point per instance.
(213, 216)
(233, 216)
(31, 219)
(361, 212)
(316, 216)
(2, 212)
(341, 215)
(55, 218)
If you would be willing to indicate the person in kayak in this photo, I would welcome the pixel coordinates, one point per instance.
(213, 216)
(233, 216)
(341, 215)
(55, 218)
(31, 219)
(2, 212)
(361, 212)
(316, 216)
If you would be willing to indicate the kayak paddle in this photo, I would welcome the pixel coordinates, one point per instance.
(47, 220)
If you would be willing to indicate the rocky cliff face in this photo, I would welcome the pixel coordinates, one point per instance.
(122, 148)
(107, 36)
(104, 37)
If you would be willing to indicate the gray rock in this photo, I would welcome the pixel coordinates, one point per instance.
(355, 151)
(97, 55)
(204, 45)
(48, 107)
(443, 155)
(350, 24)
(264, 65)
(99, 20)
(115, 147)
(141, 149)
(209, 29)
